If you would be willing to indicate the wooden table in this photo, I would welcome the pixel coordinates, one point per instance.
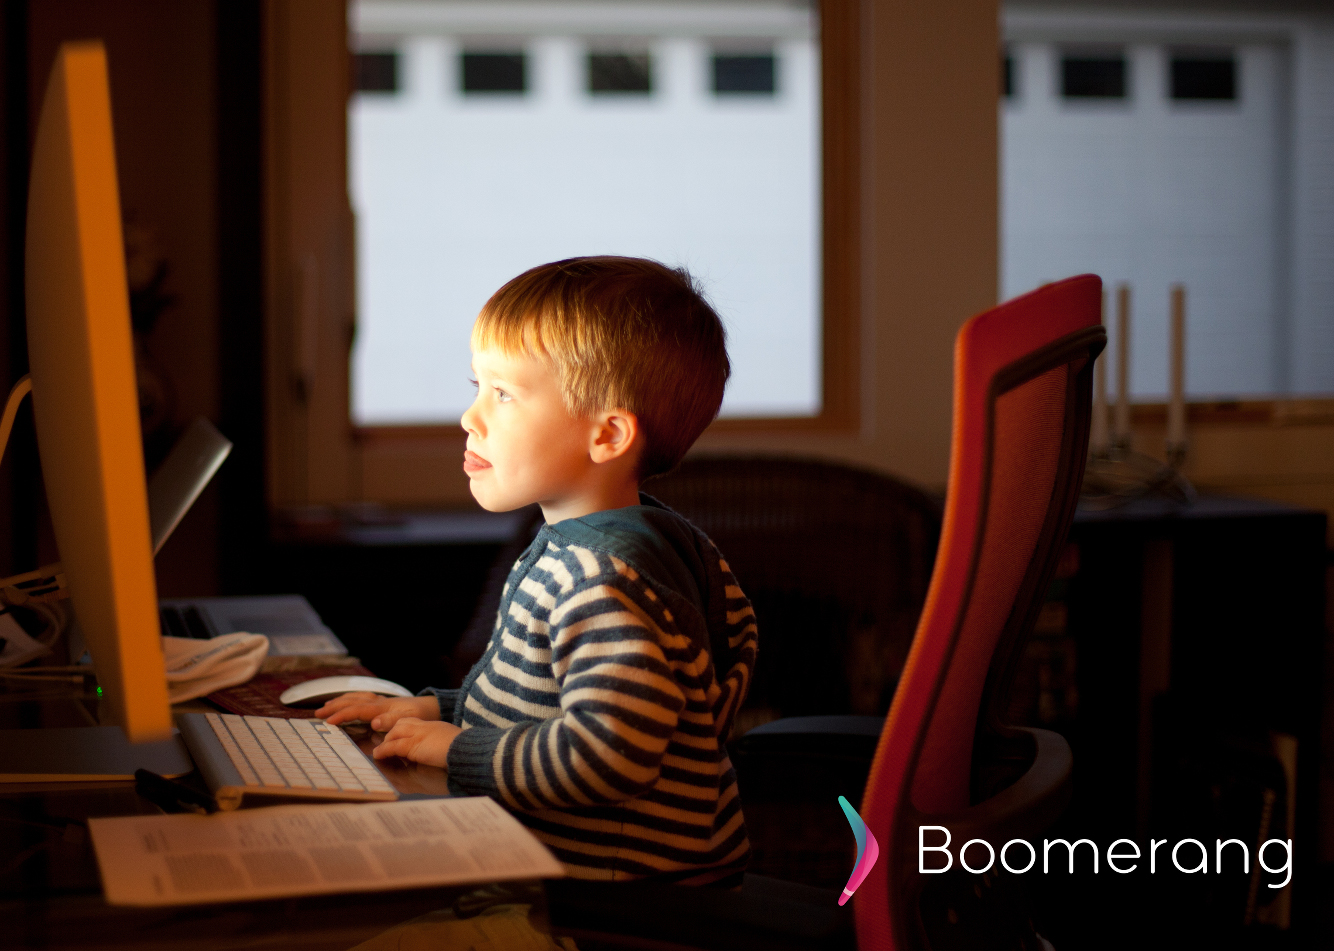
(51, 893)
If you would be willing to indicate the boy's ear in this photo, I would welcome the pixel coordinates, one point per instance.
(615, 433)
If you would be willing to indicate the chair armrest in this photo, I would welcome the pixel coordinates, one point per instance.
(1023, 809)
(814, 758)
(839, 725)
(806, 758)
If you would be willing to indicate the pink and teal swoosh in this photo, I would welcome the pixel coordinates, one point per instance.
(868, 850)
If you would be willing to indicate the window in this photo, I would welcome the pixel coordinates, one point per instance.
(1093, 76)
(1204, 77)
(375, 72)
(492, 72)
(1007, 76)
(459, 186)
(1172, 192)
(620, 73)
(743, 73)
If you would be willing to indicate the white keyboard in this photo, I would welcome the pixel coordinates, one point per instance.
(277, 756)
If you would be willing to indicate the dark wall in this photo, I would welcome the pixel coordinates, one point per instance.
(18, 470)
(185, 89)
(242, 540)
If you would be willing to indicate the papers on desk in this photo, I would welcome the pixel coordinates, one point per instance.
(286, 851)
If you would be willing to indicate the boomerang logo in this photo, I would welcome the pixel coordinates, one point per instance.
(868, 850)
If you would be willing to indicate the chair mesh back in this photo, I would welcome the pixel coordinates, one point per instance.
(1029, 425)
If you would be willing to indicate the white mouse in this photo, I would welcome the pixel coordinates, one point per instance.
(317, 691)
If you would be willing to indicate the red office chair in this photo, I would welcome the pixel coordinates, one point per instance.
(1023, 384)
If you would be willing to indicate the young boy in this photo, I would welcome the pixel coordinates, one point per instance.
(623, 645)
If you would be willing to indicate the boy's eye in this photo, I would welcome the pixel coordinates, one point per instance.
(502, 396)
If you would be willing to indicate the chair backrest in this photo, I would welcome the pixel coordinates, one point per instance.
(836, 561)
(1022, 390)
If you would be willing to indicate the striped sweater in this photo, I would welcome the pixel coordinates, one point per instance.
(598, 715)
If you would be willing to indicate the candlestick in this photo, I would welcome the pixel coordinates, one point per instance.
(1121, 431)
(1098, 431)
(1176, 405)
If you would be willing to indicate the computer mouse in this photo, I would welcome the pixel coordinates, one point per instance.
(315, 692)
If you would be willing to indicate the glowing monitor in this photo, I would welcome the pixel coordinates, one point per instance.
(84, 394)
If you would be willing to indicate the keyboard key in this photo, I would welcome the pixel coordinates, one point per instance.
(277, 753)
(252, 751)
(301, 752)
(233, 751)
(264, 730)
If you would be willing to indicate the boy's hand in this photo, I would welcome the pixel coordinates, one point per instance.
(419, 741)
(380, 712)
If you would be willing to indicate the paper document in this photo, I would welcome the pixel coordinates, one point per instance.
(286, 851)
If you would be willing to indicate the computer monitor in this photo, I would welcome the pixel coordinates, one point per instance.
(84, 393)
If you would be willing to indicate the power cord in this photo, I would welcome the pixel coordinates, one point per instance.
(39, 592)
(45, 585)
(21, 389)
(40, 677)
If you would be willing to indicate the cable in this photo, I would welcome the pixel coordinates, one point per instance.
(21, 389)
(38, 590)
(46, 603)
(57, 621)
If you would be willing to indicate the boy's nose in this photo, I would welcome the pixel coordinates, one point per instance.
(469, 420)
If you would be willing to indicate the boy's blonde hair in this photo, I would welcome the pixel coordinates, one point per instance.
(621, 333)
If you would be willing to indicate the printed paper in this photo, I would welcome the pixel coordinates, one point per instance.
(286, 851)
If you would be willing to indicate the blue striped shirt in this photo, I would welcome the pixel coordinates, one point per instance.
(600, 711)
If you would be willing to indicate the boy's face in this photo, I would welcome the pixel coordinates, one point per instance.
(523, 444)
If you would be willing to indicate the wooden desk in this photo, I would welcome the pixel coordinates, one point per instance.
(1196, 635)
(1214, 608)
(51, 893)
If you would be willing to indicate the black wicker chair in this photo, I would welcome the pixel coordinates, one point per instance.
(836, 561)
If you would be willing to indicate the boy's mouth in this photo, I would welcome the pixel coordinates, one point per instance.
(473, 462)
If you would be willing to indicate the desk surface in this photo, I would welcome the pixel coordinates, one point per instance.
(379, 528)
(1203, 508)
(51, 893)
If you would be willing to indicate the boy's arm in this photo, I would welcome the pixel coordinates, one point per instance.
(619, 709)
